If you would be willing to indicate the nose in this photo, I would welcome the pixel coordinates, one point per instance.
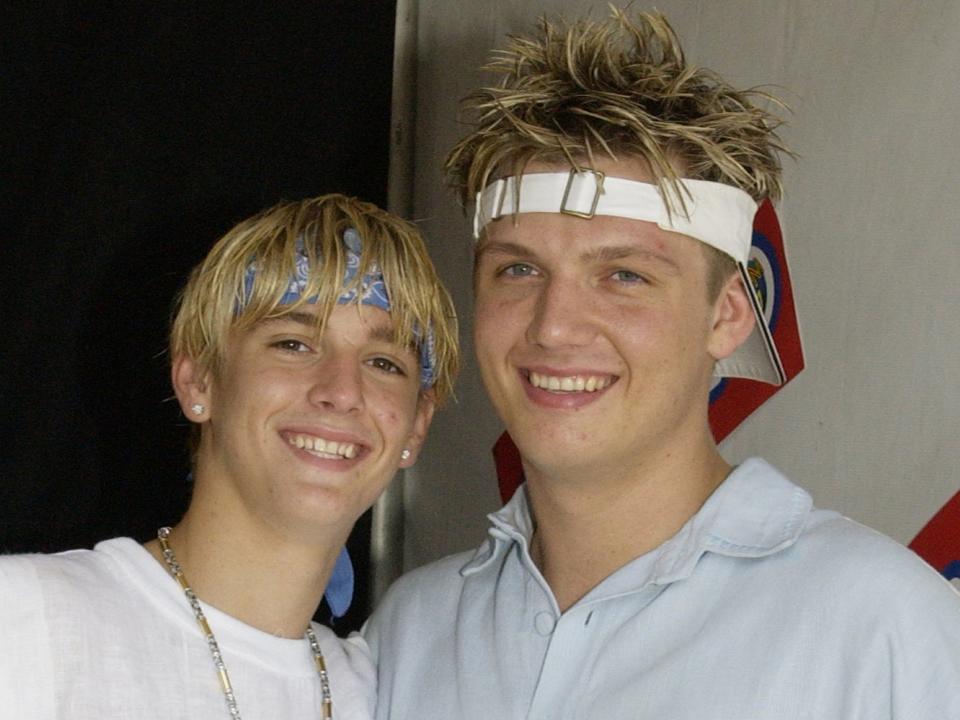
(337, 384)
(561, 315)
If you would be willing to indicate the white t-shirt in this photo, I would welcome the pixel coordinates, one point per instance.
(107, 633)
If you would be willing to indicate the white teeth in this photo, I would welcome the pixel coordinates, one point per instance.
(570, 383)
(329, 449)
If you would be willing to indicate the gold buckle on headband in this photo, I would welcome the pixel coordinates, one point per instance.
(596, 195)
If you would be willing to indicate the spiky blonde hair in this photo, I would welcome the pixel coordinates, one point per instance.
(219, 299)
(622, 87)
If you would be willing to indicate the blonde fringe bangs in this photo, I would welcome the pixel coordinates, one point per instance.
(621, 86)
(207, 309)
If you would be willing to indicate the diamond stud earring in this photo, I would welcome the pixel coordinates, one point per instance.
(197, 409)
(405, 455)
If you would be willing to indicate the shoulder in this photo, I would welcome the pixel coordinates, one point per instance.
(430, 591)
(854, 579)
(42, 598)
(828, 547)
(21, 586)
(829, 564)
(37, 572)
(425, 586)
(73, 571)
(836, 549)
(886, 598)
(61, 589)
(445, 570)
(840, 544)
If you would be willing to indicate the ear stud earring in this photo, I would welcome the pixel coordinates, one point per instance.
(197, 409)
(405, 455)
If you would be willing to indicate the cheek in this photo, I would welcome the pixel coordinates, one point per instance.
(265, 388)
(395, 413)
(254, 396)
(650, 336)
(389, 418)
(638, 327)
(496, 321)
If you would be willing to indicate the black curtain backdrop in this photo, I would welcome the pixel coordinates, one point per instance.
(133, 134)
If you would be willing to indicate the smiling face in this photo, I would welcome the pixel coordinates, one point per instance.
(301, 430)
(595, 338)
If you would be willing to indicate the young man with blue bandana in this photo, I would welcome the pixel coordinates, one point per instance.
(636, 574)
(309, 348)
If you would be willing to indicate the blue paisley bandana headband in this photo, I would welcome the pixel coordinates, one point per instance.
(372, 290)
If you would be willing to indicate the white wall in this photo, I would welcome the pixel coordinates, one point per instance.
(870, 218)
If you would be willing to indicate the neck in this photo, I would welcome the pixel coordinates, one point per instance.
(263, 580)
(589, 526)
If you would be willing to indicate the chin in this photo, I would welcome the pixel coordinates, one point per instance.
(555, 457)
(322, 501)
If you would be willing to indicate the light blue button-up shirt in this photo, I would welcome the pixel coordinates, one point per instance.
(761, 608)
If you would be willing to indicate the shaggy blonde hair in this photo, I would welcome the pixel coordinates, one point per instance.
(622, 87)
(219, 298)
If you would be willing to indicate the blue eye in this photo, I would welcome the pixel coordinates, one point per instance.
(518, 270)
(627, 276)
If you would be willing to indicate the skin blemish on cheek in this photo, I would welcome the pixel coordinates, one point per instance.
(389, 416)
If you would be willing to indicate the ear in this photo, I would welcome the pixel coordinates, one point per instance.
(426, 404)
(192, 387)
(733, 319)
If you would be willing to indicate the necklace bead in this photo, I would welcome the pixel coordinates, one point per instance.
(163, 535)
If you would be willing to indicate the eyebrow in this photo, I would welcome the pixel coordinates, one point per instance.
(608, 253)
(379, 332)
(383, 334)
(504, 248)
(605, 253)
(301, 318)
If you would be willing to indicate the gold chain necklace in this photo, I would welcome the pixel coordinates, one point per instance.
(171, 560)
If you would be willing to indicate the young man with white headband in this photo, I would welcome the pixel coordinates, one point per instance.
(636, 574)
(309, 348)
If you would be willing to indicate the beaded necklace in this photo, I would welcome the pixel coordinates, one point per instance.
(171, 560)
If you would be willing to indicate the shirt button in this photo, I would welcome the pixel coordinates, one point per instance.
(544, 623)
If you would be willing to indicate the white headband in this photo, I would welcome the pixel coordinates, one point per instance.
(716, 214)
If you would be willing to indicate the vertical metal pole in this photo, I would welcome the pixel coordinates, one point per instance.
(386, 541)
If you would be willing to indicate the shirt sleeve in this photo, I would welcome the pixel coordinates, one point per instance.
(26, 670)
(925, 649)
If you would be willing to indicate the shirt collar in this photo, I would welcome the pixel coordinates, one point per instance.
(755, 512)
(510, 525)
